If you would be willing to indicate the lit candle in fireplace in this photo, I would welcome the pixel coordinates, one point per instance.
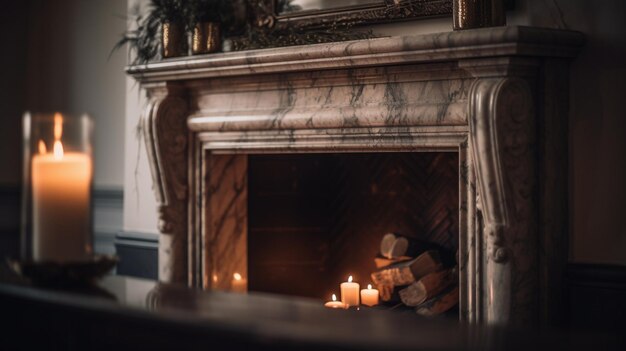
(350, 293)
(334, 303)
(369, 296)
(238, 284)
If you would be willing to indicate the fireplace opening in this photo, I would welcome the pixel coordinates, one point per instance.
(315, 219)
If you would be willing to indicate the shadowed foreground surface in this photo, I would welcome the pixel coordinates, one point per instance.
(128, 312)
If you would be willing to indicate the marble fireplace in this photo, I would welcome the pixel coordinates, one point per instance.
(496, 99)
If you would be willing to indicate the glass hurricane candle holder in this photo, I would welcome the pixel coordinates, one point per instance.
(57, 185)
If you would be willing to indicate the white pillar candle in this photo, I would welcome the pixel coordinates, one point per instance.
(334, 303)
(61, 190)
(369, 296)
(350, 293)
(239, 284)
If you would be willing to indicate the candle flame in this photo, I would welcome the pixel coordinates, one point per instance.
(58, 131)
(42, 147)
(58, 150)
(334, 297)
(350, 279)
(237, 276)
(369, 286)
(58, 126)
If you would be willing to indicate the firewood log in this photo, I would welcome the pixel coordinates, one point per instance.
(406, 272)
(382, 262)
(393, 246)
(427, 287)
(440, 303)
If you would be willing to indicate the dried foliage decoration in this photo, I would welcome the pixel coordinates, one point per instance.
(145, 38)
(260, 38)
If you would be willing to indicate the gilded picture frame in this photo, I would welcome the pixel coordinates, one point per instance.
(267, 13)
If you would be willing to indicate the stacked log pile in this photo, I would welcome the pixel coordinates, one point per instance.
(413, 273)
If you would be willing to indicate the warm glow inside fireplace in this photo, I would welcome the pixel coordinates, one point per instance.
(314, 219)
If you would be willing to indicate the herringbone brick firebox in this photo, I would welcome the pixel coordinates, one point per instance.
(314, 219)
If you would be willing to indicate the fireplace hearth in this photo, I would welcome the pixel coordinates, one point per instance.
(492, 101)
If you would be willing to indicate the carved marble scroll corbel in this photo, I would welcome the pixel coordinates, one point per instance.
(502, 135)
(164, 129)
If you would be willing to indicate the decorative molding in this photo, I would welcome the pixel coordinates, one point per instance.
(447, 46)
(502, 137)
(164, 129)
(108, 207)
(473, 92)
(138, 254)
(108, 196)
(383, 12)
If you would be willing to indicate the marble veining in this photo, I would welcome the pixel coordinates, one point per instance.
(477, 92)
(385, 102)
(225, 239)
(487, 42)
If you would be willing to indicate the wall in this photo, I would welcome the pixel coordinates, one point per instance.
(597, 131)
(597, 125)
(137, 244)
(69, 69)
(55, 57)
(12, 88)
(12, 101)
(139, 203)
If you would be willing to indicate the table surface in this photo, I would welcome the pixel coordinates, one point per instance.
(283, 321)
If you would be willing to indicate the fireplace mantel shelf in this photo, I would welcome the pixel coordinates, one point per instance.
(488, 42)
(496, 96)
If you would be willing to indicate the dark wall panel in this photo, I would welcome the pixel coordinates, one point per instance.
(596, 297)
